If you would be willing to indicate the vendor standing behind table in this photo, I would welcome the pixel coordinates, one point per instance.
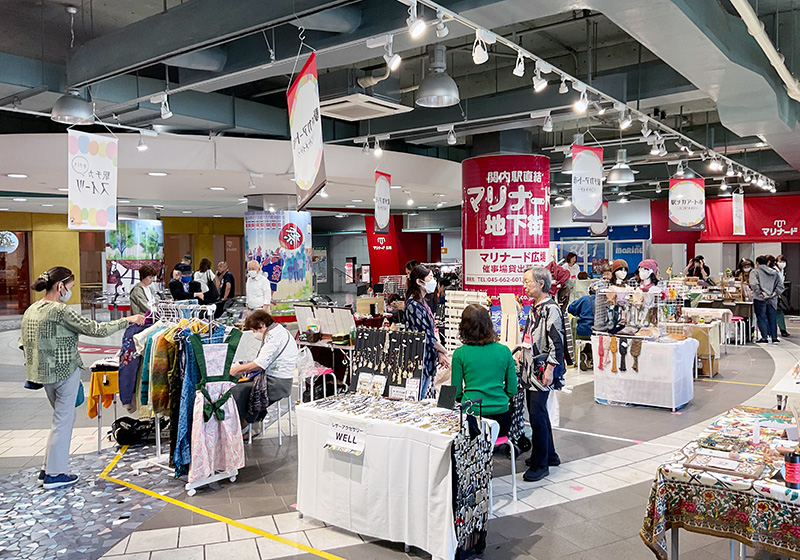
(49, 339)
(483, 368)
(396, 306)
(259, 293)
(182, 286)
(142, 297)
(571, 264)
(419, 318)
(274, 368)
(765, 282)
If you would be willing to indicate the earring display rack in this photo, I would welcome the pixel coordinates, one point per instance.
(455, 304)
(388, 363)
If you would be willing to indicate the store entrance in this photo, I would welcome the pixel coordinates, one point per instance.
(15, 293)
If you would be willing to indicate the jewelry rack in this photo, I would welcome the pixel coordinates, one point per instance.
(395, 356)
(455, 304)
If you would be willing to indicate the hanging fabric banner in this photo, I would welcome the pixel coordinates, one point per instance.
(383, 201)
(738, 214)
(305, 124)
(687, 205)
(587, 184)
(92, 180)
(600, 229)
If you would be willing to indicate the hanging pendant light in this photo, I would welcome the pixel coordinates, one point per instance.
(438, 89)
(621, 173)
(71, 108)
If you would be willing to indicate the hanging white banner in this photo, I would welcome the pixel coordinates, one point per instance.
(587, 184)
(92, 181)
(383, 201)
(738, 214)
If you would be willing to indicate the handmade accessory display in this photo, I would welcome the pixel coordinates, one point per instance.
(612, 347)
(389, 363)
(626, 310)
(472, 458)
(636, 351)
(623, 350)
(600, 352)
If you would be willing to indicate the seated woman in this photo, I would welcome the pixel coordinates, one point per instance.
(483, 368)
(270, 374)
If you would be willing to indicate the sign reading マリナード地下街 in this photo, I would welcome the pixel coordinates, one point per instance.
(346, 437)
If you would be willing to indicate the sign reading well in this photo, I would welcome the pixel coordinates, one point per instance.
(687, 205)
(505, 220)
(383, 201)
(346, 437)
(305, 125)
(92, 180)
(587, 184)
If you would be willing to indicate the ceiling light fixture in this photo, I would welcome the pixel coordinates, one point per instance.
(410, 200)
(519, 66)
(378, 151)
(162, 98)
(141, 146)
(731, 171)
(63, 189)
(562, 89)
(72, 108)
(186, 212)
(539, 83)
(341, 215)
(252, 183)
(349, 205)
(582, 103)
(621, 173)
(438, 89)
(724, 186)
(441, 29)
(20, 199)
(157, 174)
(17, 176)
(392, 60)
(658, 188)
(216, 188)
(645, 129)
(47, 205)
(625, 120)
(760, 181)
(548, 123)
(451, 137)
(217, 216)
(357, 200)
(416, 25)
(480, 49)
(679, 171)
(365, 149)
(323, 193)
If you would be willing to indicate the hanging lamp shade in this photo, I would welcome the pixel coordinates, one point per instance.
(438, 89)
(620, 174)
(566, 167)
(71, 108)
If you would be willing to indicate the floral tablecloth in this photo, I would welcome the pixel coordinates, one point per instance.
(762, 512)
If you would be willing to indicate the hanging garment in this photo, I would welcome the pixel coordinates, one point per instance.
(613, 349)
(164, 354)
(128, 364)
(217, 444)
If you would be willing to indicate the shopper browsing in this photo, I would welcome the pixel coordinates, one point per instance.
(419, 317)
(259, 294)
(583, 309)
(766, 284)
(207, 280)
(542, 368)
(783, 303)
(571, 264)
(49, 339)
(182, 287)
(142, 297)
(483, 368)
(227, 288)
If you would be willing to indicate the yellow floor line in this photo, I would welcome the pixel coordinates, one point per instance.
(210, 514)
(734, 382)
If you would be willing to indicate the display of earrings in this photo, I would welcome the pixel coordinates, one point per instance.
(472, 458)
(396, 355)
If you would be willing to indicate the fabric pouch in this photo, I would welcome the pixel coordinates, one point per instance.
(81, 397)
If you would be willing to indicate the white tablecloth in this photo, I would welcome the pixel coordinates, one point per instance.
(399, 489)
(665, 377)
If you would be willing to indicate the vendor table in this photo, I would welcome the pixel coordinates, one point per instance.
(742, 309)
(665, 376)
(758, 512)
(400, 488)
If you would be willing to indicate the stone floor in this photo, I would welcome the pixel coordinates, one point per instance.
(590, 507)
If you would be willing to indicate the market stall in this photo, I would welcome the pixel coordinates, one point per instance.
(725, 483)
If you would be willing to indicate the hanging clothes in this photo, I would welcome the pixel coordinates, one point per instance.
(128, 364)
(217, 444)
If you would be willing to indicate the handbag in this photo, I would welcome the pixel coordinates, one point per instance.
(259, 398)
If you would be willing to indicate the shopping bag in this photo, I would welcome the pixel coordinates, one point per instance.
(553, 410)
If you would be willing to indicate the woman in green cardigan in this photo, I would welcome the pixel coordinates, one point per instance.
(483, 368)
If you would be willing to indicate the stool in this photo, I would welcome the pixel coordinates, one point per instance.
(497, 443)
(264, 424)
(739, 332)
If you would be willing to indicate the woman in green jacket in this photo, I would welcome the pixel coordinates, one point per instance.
(483, 368)
(50, 330)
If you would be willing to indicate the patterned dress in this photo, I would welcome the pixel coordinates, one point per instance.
(217, 444)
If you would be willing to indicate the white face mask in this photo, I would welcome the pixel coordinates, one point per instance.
(747, 269)
(645, 273)
(430, 287)
(252, 273)
(621, 274)
(781, 265)
(64, 298)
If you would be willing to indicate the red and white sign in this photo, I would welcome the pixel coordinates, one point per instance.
(383, 201)
(505, 220)
(768, 219)
(687, 204)
(587, 184)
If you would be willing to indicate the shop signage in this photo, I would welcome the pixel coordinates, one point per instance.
(383, 201)
(346, 437)
(305, 125)
(92, 181)
(687, 205)
(738, 214)
(505, 220)
(8, 242)
(768, 219)
(587, 184)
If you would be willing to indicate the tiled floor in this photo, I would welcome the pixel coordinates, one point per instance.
(590, 507)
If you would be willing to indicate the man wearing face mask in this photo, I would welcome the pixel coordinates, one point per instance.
(259, 293)
(49, 339)
(181, 286)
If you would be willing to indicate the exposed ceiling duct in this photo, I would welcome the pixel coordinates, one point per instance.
(209, 60)
(338, 20)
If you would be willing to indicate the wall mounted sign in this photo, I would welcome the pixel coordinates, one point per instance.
(305, 124)
(769, 219)
(687, 205)
(383, 201)
(92, 177)
(587, 184)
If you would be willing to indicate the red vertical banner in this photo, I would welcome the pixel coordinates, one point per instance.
(383, 201)
(687, 205)
(505, 220)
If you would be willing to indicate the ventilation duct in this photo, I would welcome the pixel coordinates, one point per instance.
(338, 20)
(209, 60)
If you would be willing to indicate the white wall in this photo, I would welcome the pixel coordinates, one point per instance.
(634, 213)
(452, 242)
(666, 254)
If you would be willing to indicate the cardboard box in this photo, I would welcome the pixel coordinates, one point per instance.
(710, 367)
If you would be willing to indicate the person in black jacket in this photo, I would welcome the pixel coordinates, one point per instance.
(182, 286)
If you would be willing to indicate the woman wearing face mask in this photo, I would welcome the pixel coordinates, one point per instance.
(783, 304)
(419, 317)
(49, 339)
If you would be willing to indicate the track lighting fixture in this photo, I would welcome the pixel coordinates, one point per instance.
(539, 83)
(655, 148)
(480, 52)
(410, 201)
(715, 164)
(441, 29)
(582, 103)
(730, 172)
(378, 151)
(562, 89)
(645, 130)
(416, 25)
(252, 183)
(548, 123)
(760, 181)
(323, 193)
(141, 146)
(451, 137)
(365, 149)
(625, 120)
(724, 186)
(519, 67)
(165, 112)
(679, 171)
(658, 188)
(747, 178)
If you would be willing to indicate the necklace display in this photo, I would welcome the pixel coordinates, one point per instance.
(395, 356)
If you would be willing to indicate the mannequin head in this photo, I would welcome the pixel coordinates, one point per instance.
(648, 272)
(619, 272)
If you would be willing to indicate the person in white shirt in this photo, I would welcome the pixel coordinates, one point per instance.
(259, 294)
(571, 264)
(274, 368)
(207, 280)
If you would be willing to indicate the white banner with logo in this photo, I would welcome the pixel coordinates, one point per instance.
(687, 205)
(587, 184)
(383, 201)
(92, 182)
(346, 437)
(738, 214)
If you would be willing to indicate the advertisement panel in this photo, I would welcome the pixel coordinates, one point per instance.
(129, 247)
(383, 201)
(687, 204)
(587, 184)
(92, 181)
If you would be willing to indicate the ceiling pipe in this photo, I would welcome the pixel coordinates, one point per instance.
(756, 28)
(369, 81)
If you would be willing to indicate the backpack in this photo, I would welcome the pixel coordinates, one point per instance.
(128, 431)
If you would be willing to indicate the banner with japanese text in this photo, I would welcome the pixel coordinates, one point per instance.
(281, 243)
(92, 181)
(505, 220)
(305, 126)
(687, 204)
(769, 219)
(738, 214)
(383, 201)
(587, 184)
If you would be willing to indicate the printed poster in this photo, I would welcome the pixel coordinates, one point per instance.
(92, 181)
(129, 247)
(319, 264)
(687, 204)
(383, 201)
(587, 184)
(305, 124)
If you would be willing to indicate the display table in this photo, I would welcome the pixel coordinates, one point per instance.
(708, 335)
(664, 379)
(400, 488)
(103, 388)
(759, 512)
